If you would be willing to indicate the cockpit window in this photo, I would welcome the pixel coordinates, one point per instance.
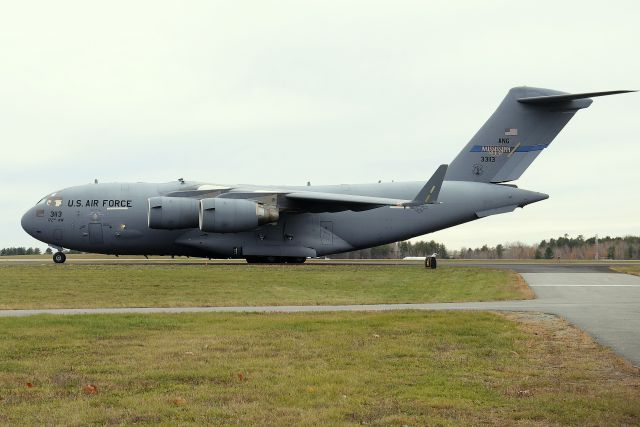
(53, 200)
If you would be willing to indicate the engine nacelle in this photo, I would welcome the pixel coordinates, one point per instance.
(170, 213)
(233, 215)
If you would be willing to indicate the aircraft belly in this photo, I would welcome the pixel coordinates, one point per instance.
(293, 236)
(386, 225)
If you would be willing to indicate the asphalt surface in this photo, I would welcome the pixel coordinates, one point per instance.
(603, 303)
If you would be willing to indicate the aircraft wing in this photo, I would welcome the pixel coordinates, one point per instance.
(428, 194)
(351, 199)
(314, 201)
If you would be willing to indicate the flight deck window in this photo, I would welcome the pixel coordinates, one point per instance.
(54, 201)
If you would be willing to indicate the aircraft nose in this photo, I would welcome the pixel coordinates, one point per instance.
(27, 221)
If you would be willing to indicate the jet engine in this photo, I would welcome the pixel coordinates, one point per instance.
(170, 213)
(219, 215)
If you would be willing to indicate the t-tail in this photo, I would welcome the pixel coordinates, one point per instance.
(524, 124)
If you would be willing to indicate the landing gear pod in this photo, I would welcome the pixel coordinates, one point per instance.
(170, 213)
(233, 215)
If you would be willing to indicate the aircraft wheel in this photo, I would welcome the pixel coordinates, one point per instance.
(59, 258)
(296, 260)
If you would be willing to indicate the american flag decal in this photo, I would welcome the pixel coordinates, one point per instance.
(511, 132)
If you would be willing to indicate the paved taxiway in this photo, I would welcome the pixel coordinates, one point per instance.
(602, 303)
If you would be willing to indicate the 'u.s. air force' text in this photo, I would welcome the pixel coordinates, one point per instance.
(105, 203)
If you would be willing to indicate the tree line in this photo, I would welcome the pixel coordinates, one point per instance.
(21, 250)
(565, 247)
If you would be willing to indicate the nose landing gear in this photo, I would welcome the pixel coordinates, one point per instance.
(59, 257)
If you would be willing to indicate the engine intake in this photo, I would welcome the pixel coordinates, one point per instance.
(170, 213)
(218, 215)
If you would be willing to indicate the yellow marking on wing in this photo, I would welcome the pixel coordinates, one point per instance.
(430, 193)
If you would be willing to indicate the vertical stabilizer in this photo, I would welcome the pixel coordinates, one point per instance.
(524, 124)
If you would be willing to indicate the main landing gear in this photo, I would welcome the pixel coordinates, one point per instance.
(59, 258)
(275, 260)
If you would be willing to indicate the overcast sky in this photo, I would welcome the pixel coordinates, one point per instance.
(284, 92)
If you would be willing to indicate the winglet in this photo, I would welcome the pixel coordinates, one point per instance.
(429, 193)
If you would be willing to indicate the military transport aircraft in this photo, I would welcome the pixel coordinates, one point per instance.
(289, 224)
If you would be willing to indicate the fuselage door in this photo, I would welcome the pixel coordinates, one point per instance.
(57, 236)
(95, 232)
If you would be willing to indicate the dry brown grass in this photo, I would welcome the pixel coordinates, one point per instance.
(627, 269)
(520, 286)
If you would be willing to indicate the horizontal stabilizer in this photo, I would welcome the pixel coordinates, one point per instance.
(552, 99)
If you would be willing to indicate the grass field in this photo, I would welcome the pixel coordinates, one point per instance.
(401, 368)
(67, 286)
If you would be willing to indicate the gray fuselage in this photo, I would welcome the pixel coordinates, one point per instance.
(112, 218)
